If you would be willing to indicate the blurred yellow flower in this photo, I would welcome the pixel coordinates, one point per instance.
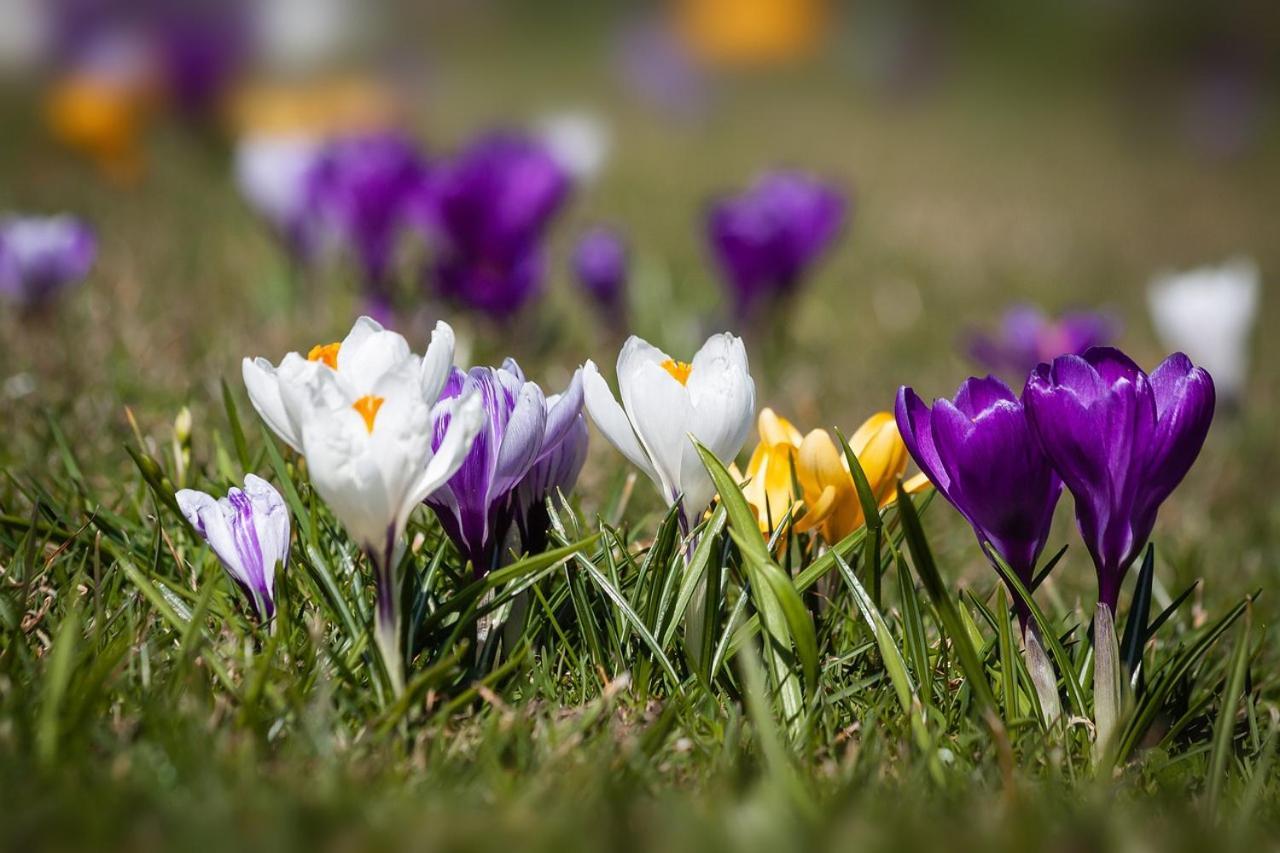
(816, 465)
(751, 32)
(101, 118)
(317, 108)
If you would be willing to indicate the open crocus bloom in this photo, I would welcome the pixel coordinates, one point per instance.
(521, 428)
(361, 414)
(1209, 314)
(819, 466)
(666, 402)
(249, 532)
(1121, 441)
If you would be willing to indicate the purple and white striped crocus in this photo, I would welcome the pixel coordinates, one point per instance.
(1027, 337)
(490, 209)
(766, 239)
(40, 256)
(979, 452)
(248, 530)
(364, 194)
(527, 439)
(600, 266)
(1121, 441)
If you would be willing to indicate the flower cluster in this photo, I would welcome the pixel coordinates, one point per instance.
(1119, 439)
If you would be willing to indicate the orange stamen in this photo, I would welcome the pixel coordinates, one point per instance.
(678, 369)
(328, 353)
(368, 407)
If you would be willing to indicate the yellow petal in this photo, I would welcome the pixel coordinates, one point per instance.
(917, 484)
(775, 429)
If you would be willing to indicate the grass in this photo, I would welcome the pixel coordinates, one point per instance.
(871, 696)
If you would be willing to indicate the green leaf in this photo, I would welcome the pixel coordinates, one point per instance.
(237, 431)
(1224, 730)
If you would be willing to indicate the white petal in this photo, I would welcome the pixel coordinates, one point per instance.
(612, 421)
(522, 438)
(660, 411)
(467, 417)
(723, 397)
(263, 385)
(368, 352)
(438, 361)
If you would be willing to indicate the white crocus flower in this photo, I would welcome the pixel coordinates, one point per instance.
(271, 172)
(578, 140)
(665, 402)
(1208, 313)
(361, 414)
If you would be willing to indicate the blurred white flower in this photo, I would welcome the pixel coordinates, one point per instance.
(578, 140)
(664, 402)
(272, 173)
(299, 36)
(1209, 313)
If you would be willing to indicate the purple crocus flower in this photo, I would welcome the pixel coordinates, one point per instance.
(600, 265)
(490, 208)
(526, 436)
(1122, 441)
(201, 46)
(364, 191)
(249, 532)
(766, 239)
(41, 256)
(980, 453)
(1027, 337)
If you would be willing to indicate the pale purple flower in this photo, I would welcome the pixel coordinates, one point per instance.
(1121, 441)
(980, 454)
(1028, 337)
(42, 256)
(249, 532)
(526, 436)
(768, 238)
(273, 173)
(490, 209)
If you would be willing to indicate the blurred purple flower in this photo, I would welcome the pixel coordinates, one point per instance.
(1121, 441)
(363, 192)
(249, 532)
(490, 208)
(201, 45)
(1027, 338)
(656, 67)
(526, 437)
(600, 265)
(981, 455)
(42, 256)
(766, 239)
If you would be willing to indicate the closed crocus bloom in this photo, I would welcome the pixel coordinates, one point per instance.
(600, 265)
(1209, 313)
(979, 451)
(490, 208)
(771, 470)
(1027, 337)
(767, 239)
(478, 504)
(1122, 441)
(364, 193)
(42, 256)
(832, 505)
(362, 414)
(555, 471)
(666, 402)
(272, 172)
(249, 532)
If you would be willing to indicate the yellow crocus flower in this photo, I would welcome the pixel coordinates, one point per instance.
(817, 464)
(101, 117)
(751, 32)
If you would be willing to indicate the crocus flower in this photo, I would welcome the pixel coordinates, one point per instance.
(555, 471)
(979, 451)
(201, 47)
(738, 33)
(41, 256)
(766, 239)
(1028, 337)
(1209, 313)
(666, 402)
(578, 140)
(522, 428)
(361, 412)
(249, 531)
(364, 192)
(831, 505)
(600, 265)
(273, 173)
(490, 208)
(1122, 441)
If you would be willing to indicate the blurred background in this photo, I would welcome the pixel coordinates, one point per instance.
(861, 189)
